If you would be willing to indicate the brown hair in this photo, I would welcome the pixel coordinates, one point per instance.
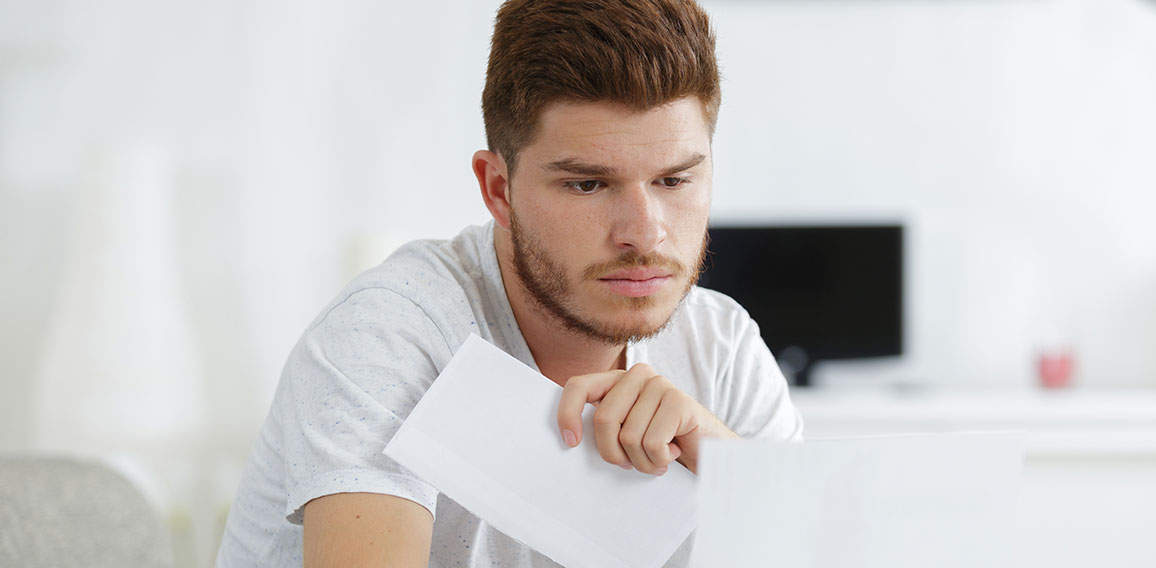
(640, 53)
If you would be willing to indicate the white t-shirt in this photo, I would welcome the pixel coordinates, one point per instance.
(367, 359)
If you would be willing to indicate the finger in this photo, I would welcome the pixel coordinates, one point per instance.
(577, 392)
(672, 419)
(621, 395)
(616, 404)
(637, 423)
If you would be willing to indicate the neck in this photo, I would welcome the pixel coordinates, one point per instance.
(559, 352)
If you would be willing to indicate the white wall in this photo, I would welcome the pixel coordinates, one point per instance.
(294, 127)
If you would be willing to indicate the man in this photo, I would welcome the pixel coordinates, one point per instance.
(599, 116)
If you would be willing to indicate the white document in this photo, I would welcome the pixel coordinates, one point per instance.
(486, 435)
(942, 500)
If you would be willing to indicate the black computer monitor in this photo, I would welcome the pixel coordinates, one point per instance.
(817, 292)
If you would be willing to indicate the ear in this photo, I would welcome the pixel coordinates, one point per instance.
(493, 179)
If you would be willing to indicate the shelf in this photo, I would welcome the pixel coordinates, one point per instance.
(1062, 423)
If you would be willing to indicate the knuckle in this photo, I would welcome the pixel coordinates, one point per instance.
(674, 396)
(657, 381)
(630, 437)
(603, 419)
(654, 447)
(577, 383)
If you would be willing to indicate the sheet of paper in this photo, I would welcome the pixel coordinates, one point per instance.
(943, 500)
(486, 435)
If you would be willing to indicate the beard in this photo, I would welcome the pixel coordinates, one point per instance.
(550, 287)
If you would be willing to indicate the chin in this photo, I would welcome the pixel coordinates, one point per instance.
(639, 323)
(615, 319)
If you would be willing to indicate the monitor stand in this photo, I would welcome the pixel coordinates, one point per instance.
(796, 365)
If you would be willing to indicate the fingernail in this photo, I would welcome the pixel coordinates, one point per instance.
(570, 439)
(625, 466)
(662, 471)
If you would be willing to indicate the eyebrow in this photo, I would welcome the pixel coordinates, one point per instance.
(578, 167)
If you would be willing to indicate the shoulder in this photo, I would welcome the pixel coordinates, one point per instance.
(433, 279)
(425, 271)
(414, 306)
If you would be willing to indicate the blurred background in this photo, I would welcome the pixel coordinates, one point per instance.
(183, 185)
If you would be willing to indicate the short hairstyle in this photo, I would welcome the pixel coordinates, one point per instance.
(639, 53)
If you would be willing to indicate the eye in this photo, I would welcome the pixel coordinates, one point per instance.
(584, 186)
(672, 181)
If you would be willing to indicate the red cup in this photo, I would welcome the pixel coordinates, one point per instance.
(1055, 369)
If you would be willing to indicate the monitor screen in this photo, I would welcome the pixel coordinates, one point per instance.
(817, 292)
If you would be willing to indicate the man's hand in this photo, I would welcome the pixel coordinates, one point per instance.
(642, 420)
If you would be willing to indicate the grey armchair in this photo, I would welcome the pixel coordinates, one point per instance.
(70, 512)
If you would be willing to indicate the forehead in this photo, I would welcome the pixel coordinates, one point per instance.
(609, 132)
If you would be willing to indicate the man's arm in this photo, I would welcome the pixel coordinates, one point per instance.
(366, 529)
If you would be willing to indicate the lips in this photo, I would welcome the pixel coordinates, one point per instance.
(637, 273)
(636, 282)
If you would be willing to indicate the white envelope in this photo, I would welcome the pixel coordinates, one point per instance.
(486, 435)
(942, 500)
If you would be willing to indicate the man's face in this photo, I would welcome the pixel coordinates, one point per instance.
(609, 209)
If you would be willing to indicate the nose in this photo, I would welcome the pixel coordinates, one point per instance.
(638, 219)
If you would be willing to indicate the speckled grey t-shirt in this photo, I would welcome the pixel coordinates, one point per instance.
(370, 355)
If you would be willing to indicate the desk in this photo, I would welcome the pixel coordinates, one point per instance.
(1089, 484)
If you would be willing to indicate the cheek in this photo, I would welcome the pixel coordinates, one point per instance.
(689, 219)
(558, 231)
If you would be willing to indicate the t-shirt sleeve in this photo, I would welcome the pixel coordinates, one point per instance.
(757, 402)
(348, 385)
